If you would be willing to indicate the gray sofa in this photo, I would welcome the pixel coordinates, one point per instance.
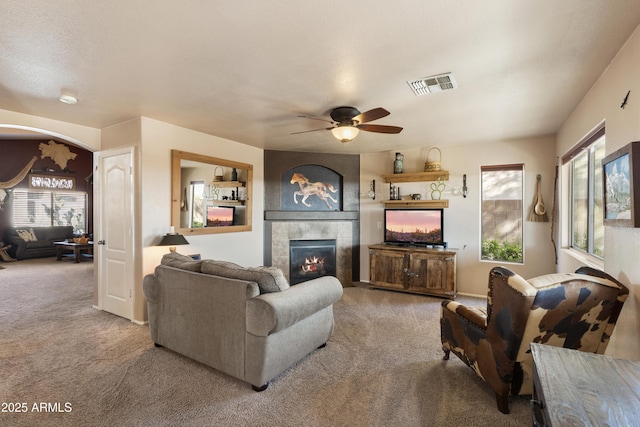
(246, 322)
(38, 241)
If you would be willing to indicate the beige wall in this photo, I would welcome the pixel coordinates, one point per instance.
(622, 245)
(462, 218)
(154, 141)
(158, 139)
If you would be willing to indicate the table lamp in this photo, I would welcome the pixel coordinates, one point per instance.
(172, 240)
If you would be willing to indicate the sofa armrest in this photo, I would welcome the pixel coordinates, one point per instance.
(275, 311)
(18, 245)
(150, 289)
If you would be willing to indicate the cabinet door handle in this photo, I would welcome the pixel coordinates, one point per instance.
(409, 273)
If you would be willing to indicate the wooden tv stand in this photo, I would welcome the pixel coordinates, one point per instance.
(413, 269)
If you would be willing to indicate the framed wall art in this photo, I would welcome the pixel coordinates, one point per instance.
(620, 176)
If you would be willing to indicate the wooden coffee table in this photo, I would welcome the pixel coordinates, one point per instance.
(77, 249)
(574, 388)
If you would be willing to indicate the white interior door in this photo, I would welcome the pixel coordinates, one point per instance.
(114, 240)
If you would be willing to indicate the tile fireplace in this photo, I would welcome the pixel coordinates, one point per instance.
(309, 259)
(326, 207)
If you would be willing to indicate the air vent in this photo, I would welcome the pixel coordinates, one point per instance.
(433, 84)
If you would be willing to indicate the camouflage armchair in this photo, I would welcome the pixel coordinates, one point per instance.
(575, 310)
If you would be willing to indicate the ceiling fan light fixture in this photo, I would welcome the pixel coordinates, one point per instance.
(345, 133)
(68, 98)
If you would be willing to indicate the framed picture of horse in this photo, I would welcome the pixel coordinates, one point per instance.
(311, 188)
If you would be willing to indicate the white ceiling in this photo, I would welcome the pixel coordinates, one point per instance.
(244, 70)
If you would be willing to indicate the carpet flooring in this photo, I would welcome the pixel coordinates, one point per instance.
(63, 363)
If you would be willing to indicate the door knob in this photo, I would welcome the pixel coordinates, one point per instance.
(101, 242)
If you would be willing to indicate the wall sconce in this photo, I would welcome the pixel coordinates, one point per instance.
(465, 190)
(372, 190)
(172, 240)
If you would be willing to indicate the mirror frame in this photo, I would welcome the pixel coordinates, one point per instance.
(176, 172)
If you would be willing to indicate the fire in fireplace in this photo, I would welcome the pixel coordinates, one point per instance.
(309, 259)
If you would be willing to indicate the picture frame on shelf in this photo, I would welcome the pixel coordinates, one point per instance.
(621, 200)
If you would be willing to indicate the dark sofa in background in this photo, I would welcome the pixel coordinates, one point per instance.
(42, 246)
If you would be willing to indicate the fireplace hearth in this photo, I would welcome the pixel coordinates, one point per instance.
(309, 259)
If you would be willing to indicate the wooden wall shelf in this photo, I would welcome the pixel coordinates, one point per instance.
(416, 203)
(416, 177)
(222, 202)
(227, 184)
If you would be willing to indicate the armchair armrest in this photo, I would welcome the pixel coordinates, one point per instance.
(475, 315)
(275, 311)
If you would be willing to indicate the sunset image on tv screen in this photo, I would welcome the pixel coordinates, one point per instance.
(219, 217)
(413, 226)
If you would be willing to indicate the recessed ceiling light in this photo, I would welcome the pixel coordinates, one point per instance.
(68, 99)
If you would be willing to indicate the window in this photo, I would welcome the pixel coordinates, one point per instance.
(46, 208)
(585, 195)
(197, 204)
(502, 231)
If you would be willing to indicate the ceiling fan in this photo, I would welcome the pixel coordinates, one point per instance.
(349, 121)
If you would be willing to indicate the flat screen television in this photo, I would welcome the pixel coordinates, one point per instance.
(220, 216)
(414, 226)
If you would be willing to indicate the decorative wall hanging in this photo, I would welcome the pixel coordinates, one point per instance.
(437, 189)
(465, 189)
(59, 153)
(538, 212)
(621, 199)
(21, 175)
(372, 190)
(311, 187)
(52, 182)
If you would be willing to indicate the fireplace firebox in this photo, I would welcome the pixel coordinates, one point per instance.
(309, 259)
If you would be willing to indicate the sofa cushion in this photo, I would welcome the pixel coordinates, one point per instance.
(27, 235)
(183, 262)
(269, 279)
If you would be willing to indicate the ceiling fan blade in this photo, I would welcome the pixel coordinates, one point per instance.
(371, 115)
(312, 130)
(316, 118)
(380, 128)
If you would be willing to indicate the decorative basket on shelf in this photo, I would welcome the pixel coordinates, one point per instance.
(81, 240)
(218, 176)
(431, 165)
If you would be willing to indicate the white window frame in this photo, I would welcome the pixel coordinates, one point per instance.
(585, 257)
(506, 167)
(82, 228)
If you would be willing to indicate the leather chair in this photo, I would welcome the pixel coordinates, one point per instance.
(571, 310)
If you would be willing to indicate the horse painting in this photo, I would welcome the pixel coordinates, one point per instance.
(308, 188)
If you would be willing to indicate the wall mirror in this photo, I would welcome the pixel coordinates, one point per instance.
(209, 195)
